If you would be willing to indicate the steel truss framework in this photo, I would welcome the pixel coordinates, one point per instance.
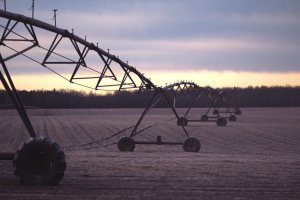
(81, 49)
(215, 99)
(222, 105)
(130, 77)
(225, 104)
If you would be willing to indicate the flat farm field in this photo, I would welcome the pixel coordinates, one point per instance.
(257, 157)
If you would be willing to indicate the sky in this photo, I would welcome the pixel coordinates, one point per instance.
(211, 42)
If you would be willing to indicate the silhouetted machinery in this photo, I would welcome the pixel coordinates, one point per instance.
(41, 161)
(215, 99)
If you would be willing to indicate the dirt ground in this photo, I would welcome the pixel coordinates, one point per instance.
(257, 157)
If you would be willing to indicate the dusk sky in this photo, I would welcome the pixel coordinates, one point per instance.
(212, 42)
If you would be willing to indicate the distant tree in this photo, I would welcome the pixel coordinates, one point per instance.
(245, 97)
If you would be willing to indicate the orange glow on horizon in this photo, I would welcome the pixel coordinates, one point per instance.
(160, 78)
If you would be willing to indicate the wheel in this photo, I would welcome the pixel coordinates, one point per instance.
(215, 112)
(238, 111)
(39, 161)
(204, 118)
(232, 118)
(126, 144)
(191, 145)
(182, 121)
(221, 121)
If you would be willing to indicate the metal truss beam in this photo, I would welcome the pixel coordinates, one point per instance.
(82, 49)
(62, 33)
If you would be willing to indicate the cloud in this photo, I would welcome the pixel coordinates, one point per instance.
(216, 35)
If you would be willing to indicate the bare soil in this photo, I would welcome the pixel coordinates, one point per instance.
(257, 157)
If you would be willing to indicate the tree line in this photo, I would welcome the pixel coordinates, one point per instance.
(245, 97)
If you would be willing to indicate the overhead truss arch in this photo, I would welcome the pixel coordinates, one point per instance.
(81, 48)
(108, 73)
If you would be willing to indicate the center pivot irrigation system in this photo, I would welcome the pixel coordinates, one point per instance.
(40, 161)
(220, 108)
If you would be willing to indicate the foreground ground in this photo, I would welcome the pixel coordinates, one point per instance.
(257, 157)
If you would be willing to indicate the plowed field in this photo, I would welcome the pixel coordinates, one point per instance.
(257, 157)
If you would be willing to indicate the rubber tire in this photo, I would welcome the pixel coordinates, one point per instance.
(238, 111)
(232, 118)
(215, 112)
(126, 144)
(221, 121)
(191, 144)
(182, 121)
(204, 118)
(40, 162)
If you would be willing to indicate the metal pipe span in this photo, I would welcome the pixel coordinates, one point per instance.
(66, 33)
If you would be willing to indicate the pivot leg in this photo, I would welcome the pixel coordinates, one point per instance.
(192, 103)
(13, 94)
(168, 101)
(149, 106)
(174, 111)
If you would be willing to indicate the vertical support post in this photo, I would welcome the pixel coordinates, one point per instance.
(185, 131)
(174, 102)
(169, 103)
(192, 103)
(13, 94)
(4, 2)
(143, 115)
(173, 109)
(54, 17)
(32, 9)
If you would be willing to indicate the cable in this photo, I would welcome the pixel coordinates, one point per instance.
(101, 140)
(32, 59)
(64, 57)
(116, 134)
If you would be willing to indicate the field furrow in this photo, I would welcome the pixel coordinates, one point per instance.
(256, 157)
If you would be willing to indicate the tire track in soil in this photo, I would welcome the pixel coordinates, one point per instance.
(5, 130)
(12, 134)
(76, 134)
(275, 143)
(83, 129)
(244, 136)
(51, 130)
(279, 137)
(261, 143)
(231, 134)
(85, 135)
(90, 144)
(227, 139)
(102, 143)
(218, 141)
(173, 175)
(18, 135)
(43, 127)
(115, 131)
(239, 136)
(122, 132)
(13, 131)
(70, 133)
(148, 131)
